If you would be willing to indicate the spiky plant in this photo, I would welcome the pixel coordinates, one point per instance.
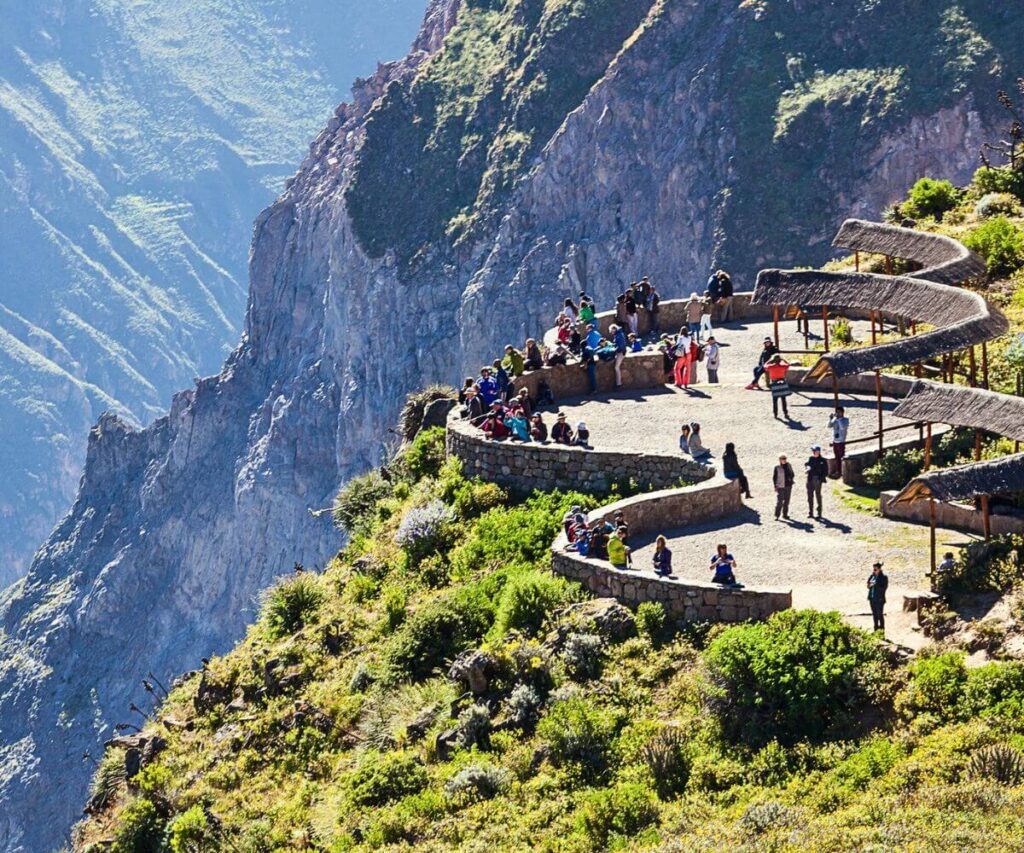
(999, 762)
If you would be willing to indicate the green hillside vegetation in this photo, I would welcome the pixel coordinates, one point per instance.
(336, 725)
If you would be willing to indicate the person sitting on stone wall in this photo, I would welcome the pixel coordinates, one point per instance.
(518, 424)
(473, 409)
(598, 541)
(635, 344)
(557, 357)
(582, 436)
(697, 448)
(513, 362)
(662, 558)
(591, 340)
(570, 310)
(632, 312)
(619, 553)
(469, 383)
(684, 439)
(494, 425)
(587, 311)
(561, 432)
(524, 402)
(731, 469)
(532, 357)
(538, 429)
(768, 350)
(487, 387)
(569, 520)
(724, 566)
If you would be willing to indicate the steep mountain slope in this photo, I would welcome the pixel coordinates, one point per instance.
(139, 141)
(443, 212)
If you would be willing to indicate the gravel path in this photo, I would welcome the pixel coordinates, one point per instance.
(825, 562)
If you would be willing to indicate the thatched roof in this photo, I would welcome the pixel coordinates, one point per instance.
(965, 407)
(965, 482)
(964, 317)
(943, 259)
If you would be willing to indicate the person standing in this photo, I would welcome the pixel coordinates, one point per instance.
(620, 344)
(653, 302)
(878, 583)
(487, 387)
(782, 481)
(840, 426)
(712, 359)
(694, 309)
(817, 473)
(705, 315)
(776, 369)
(725, 299)
(662, 559)
(632, 316)
(682, 368)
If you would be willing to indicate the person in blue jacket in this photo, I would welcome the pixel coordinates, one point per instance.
(487, 387)
(621, 346)
(501, 377)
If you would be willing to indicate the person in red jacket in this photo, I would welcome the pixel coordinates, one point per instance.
(494, 426)
(776, 369)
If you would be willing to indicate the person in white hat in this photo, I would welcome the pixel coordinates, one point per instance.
(817, 473)
(582, 435)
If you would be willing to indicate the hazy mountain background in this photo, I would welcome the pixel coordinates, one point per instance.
(138, 141)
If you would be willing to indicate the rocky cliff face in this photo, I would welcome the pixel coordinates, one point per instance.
(570, 152)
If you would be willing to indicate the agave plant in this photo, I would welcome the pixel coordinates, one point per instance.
(999, 762)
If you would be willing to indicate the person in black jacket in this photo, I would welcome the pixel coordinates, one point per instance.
(817, 473)
(782, 482)
(731, 469)
(878, 583)
(768, 350)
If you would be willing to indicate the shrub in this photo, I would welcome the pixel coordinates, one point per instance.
(1000, 243)
(713, 772)
(874, 759)
(526, 601)
(650, 620)
(1000, 179)
(996, 688)
(668, 757)
(140, 829)
(382, 778)
(361, 679)
(107, 780)
(936, 687)
(356, 504)
(422, 529)
(802, 674)
(929, 197)
(760, 818)
(291, 604)
(895, 468)
(842, 332)
(477, 782)
(438, 632)
(997, 204)
(425, 454)
(579, 736)
(190, 831)
(618, 812)
(582, 656)
(394, 608)
(998, 762)
(474, 727)
(996, 565)
(523, 705)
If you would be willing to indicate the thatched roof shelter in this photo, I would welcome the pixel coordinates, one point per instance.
(964, 407)
(943, 259)
(966, 482)
(964, 317)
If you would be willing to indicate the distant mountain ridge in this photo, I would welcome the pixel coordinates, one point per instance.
(139, 140)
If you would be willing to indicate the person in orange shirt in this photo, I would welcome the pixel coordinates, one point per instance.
(776, 369)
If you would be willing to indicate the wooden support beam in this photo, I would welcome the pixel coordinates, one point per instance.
(874, 335)
(977, 445)
(973, 378)
(928, 448)
(888, 264)
(986, 517)
(824, 323)
(931, 535)
(984, 365)
(878, 404)
(775, 320)
(835, 391)
(856, 261)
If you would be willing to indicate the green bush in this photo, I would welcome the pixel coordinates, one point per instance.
(996, 688)
(650, 620)
(929, 197)
(617, 813)
(382, 778)
(997, 204)
(759, 818)
(580, 736)
(1001, 179)
(439, 631)
(895, 468)
(394, 608)
(993, 566)
(1000, 243)
(800, 675)
(582, 656)
(477, 782)
(356, 504)
(140, 829)
(190, 832)
(936, 687)
(425, 454)
(527, 600)
(669, 756)
(874, 759)
(292, 603)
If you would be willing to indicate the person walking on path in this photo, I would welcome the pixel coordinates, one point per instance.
(662, 558)
(776, 369)
(731, 469)
(840, 426)
(618, 551)
(724, 566)
(782, 481)
(817, 473)
(694, 310)
(768, 350)
(712, 359)
(878, 583)
(621, 345)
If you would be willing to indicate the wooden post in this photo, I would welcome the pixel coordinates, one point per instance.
(835, 391)
(888, 264)
(931, 534)
(986, 517)
(984, 364)
(807, 329)
(856, 260)
(878, 403)
(974, 368)
(917, 370)
(874, 336)
(775, 319)
(824, 322)
(928, 448)
(977, 445)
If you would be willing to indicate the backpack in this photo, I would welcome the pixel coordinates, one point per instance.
(700, 353)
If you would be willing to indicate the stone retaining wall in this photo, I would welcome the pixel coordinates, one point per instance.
(958, 516)
(525, 467)
(684, 600)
